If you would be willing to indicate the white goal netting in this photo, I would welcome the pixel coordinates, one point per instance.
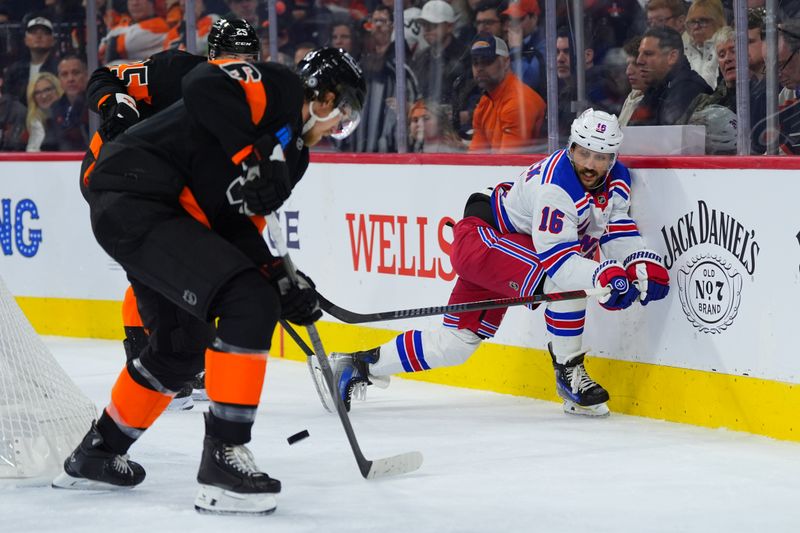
(43, 414)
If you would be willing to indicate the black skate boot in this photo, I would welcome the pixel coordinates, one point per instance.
(92, 467)
(183, 400)
(581, 394)
(230, 482)
(199, 387)
(351, 374)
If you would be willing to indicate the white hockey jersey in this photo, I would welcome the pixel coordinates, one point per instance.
(548, 202)
(137, 41)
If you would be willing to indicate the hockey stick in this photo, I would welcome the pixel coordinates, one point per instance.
(351, 317)
(370, 469)
(313, 367)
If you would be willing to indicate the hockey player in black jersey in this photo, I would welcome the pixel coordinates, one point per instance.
(235, 146)
(128, 93)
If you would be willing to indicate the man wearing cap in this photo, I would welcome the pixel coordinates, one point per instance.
(40, 43)
(525, 46)
(438, 66)
(509, 114)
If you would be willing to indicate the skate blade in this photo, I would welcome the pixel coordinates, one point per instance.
(215, 500)
(382, 382)
(321, 384)
(180, 404)
(599, 411)
(66, 481)
(199, 395)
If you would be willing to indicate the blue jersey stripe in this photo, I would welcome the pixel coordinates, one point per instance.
(401, 351)
(418, 349)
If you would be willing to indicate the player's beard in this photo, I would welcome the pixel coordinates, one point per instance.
(589, 178)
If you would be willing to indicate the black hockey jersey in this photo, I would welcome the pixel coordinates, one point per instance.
(192, 152)
(155, 84)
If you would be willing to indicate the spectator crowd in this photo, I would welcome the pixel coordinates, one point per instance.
(474, 70)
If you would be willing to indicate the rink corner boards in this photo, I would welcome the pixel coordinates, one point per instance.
(708, 399)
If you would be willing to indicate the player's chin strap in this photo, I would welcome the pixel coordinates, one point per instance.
(314, 118)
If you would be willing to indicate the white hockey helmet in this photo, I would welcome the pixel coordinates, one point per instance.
(597, 131)
(721, 128)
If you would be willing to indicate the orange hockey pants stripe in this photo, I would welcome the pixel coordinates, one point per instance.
(235, 378)
(133, 405)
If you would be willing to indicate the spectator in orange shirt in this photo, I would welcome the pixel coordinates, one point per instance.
(510, 114)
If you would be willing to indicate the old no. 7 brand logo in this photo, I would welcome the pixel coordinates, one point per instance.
(710, 290)
(709, 280)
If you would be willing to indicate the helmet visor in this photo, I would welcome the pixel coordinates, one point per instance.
(349, 120)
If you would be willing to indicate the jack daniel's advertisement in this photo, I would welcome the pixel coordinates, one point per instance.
(708, 252)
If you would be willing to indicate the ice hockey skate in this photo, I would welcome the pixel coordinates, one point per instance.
(199, 393)
(351, 374)
(230, 482)
(183, 400)
(91, 467)
(581, 394)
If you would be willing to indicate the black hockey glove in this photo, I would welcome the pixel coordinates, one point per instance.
(119, 113)
(268, 184)
(299, 303)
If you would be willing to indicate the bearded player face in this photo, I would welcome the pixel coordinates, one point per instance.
(590, 166)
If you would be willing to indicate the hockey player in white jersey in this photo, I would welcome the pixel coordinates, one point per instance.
(543, 232)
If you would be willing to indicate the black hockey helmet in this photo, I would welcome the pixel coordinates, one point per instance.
(334, 70)
(234, 36)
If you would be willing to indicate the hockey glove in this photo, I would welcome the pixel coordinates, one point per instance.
(268, 184)
(645, 269)
(299, 303)
(119, 113)
(611, 275)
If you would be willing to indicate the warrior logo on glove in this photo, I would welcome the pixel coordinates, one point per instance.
(645, 269)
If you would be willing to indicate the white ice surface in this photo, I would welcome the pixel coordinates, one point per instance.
(493, 463)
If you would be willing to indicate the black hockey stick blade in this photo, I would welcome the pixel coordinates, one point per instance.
(351, 317)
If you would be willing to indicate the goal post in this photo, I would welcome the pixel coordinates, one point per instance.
(43, 414)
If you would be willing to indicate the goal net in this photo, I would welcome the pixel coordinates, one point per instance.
(43, 414)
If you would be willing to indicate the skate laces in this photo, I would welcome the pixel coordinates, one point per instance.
(579, 379)
(240, 458)
(120, 464)
(359, 380)
(353, 383)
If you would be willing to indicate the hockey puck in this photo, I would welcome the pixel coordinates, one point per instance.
(297, 436)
